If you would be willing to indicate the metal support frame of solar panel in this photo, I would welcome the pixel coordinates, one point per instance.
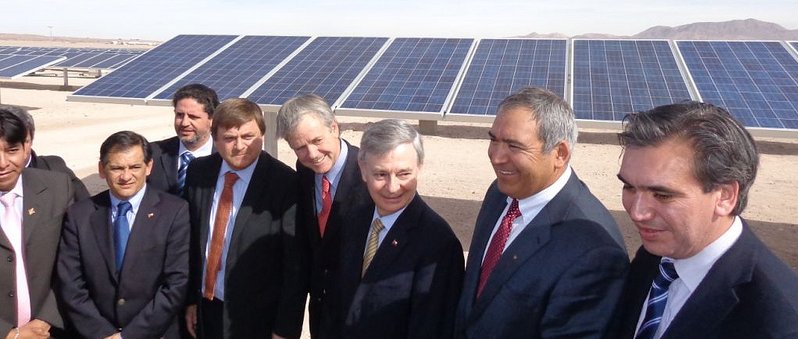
(236, 69)
(14, 66)
(611, 78)
(756, 81)
(327, 66)
(414, 78)
(500, 67)
(140, 78)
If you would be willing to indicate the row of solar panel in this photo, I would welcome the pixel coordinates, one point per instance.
(13, 66)
(104, 58)
(756, 80)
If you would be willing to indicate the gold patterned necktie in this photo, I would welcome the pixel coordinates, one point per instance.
(371, 246)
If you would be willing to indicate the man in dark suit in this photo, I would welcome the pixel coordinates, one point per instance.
(701, 273)
(401, 264)
(248, 277)
(123, 258)
(46, 162)
(330, 186)
(32, 209)
(193, 105)
(546, 259)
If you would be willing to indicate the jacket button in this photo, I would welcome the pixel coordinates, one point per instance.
(11, 294)
(121, 302)
(10, 258)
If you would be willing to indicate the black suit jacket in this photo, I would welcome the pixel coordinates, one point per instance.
(561, 277)
(748, 293)
(266, 277)
(46, 196)
(55, 163)
(164, 165)
(145, 297)
(411, 288)
(324, 252)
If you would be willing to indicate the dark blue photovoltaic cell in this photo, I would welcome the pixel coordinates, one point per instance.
(502, 66)
(327, 66)
(240, 66)
(614, 77)
(77, 57)
(16, 65)
(414, 74)
(756, 81)
(147, 73)
(115, 61)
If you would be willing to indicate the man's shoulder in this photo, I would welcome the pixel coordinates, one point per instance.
(54, 179)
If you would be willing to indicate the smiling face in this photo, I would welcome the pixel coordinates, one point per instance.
(316, 146)
(668, 205)
(239, 146)
(516, 154)
(12, 161)
(192, 123)
(125, 172)
(391, 178)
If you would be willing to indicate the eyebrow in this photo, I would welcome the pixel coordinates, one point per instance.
(655, 188)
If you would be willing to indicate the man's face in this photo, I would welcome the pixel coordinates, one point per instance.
(192, 124)
(516, 154)
(12, 161)
(316, 146)
(666, 202)
(239, 146)
(391, 178)
(126, 172)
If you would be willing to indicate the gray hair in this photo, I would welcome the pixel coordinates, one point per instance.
(385, 135)
(23, 115)
(554, 117)
(724, 150)
(297, 107)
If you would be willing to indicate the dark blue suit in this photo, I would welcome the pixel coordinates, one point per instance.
(748, 293)
(561, 277)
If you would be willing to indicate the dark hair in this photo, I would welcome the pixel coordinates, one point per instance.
(553, 115)
(236, 112)
(724, 150)
(12, 128)
(204, 95)
(23, 114)
(124, 140)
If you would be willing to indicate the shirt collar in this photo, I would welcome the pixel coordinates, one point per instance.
(204, 150)
(135, 200)
(531, 206)
(244, 175)
(389, 219)
(17, 187)
(692, 270)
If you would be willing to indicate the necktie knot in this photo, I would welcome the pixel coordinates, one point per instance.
(377, 226)
(667, 274)
(230, 179)
(186, 158)
(8, 199)
(325, 185)
(123, 208)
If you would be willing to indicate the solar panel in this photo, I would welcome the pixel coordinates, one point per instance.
(500, 67)
(757, 81)
(154, 69)
(115, 61)
(327, 66)
(413, 75)
(239, 66)
(13, 66)
(614, 77)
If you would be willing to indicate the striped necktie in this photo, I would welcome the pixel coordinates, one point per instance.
(657, 299)
(185, 159)
(373, 243)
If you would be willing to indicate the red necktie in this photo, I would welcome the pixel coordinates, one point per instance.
(217, 240)
(496, 246)
(326, 204)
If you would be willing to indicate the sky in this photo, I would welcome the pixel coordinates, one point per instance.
(163, 19)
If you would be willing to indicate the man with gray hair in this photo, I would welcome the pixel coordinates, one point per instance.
(701, 273)
(546, 259)
(401, 264)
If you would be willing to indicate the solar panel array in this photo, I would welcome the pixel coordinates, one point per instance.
(757, 81)
(12, 66)
(500, 67)
(105, 58)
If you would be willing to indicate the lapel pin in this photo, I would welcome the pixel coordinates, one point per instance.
(394, 243)
(150, 215)
(515, 257)
(31, 211)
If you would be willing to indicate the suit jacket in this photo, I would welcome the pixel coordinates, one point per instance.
(55, 163)
(748, 293)
(324, 251)
(266, 277)
(411, 288)
(46, 196)
(144, 298)
(561, 277)
(164, 165)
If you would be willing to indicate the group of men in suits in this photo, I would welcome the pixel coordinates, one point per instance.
(242, 239)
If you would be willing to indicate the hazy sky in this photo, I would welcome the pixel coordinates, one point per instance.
(163, 19)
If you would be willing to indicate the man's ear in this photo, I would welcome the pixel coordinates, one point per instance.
(562, 154)
(727, 200)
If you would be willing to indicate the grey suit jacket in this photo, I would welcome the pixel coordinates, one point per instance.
(46, 196)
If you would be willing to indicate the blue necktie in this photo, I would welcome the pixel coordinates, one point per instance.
(657, 298)
(121, 232)
(185, 159)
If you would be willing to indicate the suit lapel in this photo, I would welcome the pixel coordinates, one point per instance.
(257, 185)
(142, 228)
(33, 204)
(100, 221)
(169, 160)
